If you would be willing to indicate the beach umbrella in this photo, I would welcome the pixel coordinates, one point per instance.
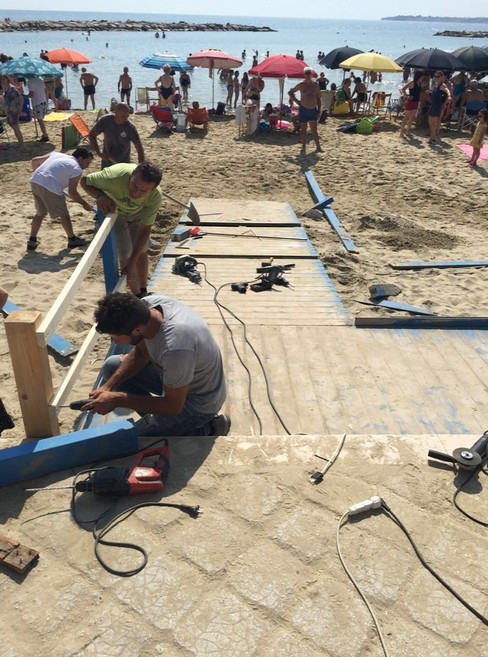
(30, 67)
(432, 59)
(333, 58)
(212, 59)
(68, 57)
(408, 55)
(159, 59)
(371, 61)
(280, 66)
(475, 58)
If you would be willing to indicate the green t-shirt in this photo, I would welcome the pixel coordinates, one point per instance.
(114, 182)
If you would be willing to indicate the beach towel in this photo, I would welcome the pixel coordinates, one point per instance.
(468, 150)
(57, 116)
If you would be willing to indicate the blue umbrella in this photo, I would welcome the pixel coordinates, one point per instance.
(30, 67)
(158, 60)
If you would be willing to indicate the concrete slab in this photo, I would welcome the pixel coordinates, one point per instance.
(257, 574)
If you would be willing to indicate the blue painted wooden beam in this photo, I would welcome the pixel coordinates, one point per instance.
(397, 305)
(437, 322)
(56, 342)
(447, 264)
(40, 457)
(109, 257)
(323, 203)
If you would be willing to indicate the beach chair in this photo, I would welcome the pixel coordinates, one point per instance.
(163, 117)
(468, 115)
(198, 117)
(141, 97)
(380, 104)
(81, 127)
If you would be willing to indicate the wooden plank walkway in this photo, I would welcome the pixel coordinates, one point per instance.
(324, 375)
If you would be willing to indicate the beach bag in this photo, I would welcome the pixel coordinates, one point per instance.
(64, 104)
(365, 126)
(220, 108)
(340, 108)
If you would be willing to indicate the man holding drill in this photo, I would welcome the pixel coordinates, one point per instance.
(173, 376)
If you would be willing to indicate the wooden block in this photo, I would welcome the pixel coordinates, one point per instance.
(15, 556)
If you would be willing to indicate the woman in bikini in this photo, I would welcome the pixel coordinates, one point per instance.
(166, 87)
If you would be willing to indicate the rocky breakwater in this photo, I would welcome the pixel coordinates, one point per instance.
(463, 33)
(7, 25)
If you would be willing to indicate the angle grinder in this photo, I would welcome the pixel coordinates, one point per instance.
(466, 458)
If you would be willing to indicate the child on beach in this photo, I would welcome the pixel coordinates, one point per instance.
(478, 137)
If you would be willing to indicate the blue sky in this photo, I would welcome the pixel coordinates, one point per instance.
(365, 9)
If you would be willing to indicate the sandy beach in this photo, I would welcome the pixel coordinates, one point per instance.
(398, 200)
(258, 574)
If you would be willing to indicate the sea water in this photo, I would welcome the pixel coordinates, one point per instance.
(111, 51)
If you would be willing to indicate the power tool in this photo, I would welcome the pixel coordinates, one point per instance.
(467, 458)
(120, 481)
(271, 275)
(186, 266)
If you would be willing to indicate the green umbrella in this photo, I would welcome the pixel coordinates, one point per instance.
(30, 67)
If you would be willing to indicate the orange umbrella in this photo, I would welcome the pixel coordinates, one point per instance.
(65, 56)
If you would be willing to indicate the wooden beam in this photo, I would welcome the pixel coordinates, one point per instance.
(447, 264)
(81, 358)
(55, 342)
(36, 458)
(57, 310)
(453, 323)
(323, 203)
(30, 363)
(397, 305)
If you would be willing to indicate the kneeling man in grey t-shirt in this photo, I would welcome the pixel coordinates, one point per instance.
(173, 375)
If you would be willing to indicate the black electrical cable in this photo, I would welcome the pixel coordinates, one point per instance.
(386, 509)
(98, 534)
(192, 511)
(459, 490)
(248, 342)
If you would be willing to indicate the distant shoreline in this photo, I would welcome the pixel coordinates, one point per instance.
(437, 19)
(8, 25)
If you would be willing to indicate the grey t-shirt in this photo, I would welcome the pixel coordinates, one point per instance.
(185, 353)
(117, 138)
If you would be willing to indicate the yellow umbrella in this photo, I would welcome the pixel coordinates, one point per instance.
(371, 61)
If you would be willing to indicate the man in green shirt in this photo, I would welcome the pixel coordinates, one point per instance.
(133, 191)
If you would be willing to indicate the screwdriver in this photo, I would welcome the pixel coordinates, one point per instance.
(76, 405)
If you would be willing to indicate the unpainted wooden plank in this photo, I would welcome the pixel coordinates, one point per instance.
(415, 418)
(245, 243)
(311, 298)
(436, 394)
(233, 212)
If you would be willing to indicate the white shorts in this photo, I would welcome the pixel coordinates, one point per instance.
(39, 111)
